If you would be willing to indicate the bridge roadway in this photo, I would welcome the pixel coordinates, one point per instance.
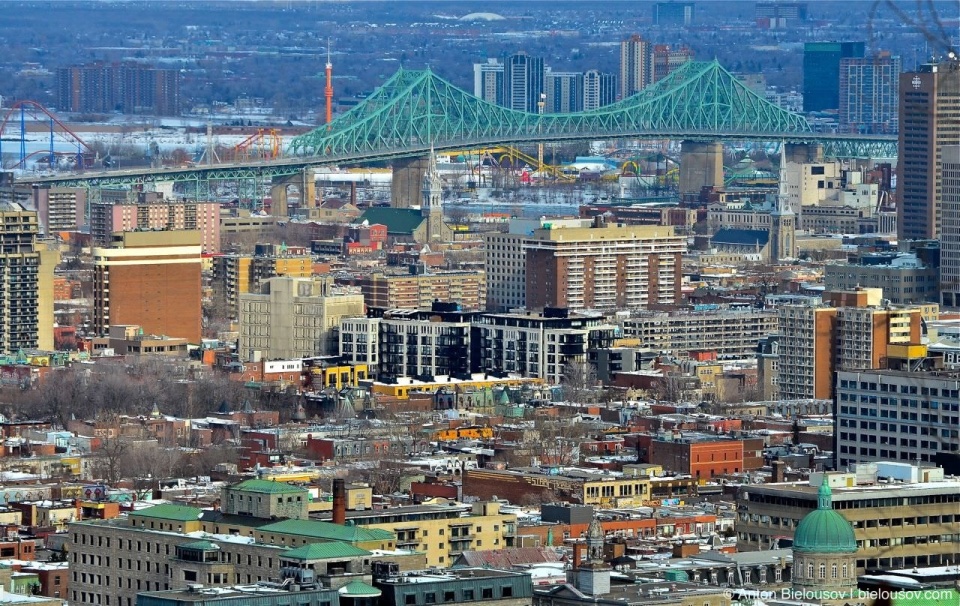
(835, 146)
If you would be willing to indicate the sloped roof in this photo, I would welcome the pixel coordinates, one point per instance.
(359, 589)
(741, 237)
(399, 221)
(323, 551)
(268, 487)
(506, 559)
(329, 531)
(177, 513)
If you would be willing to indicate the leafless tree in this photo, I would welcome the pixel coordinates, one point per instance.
(109, 465)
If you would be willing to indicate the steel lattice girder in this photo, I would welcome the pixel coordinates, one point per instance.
(417, 109)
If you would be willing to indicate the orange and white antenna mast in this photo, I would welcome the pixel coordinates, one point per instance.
(328, 91)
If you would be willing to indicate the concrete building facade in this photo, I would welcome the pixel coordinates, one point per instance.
(294, 318)
(732, 333)
(950, 227)
(903, 524)
(893, 415)
(26, 283)
(929, 105)
(596, 266)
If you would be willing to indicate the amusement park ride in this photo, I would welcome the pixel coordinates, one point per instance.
(16, 125)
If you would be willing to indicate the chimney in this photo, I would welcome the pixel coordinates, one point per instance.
(578, 549)
(339, 502)
(778, 472)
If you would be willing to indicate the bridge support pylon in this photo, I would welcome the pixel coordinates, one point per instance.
(405, 190)
(801, 153)
(701, 165)
(306, 184)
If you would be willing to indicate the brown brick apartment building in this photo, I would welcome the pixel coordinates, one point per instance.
(150, 279)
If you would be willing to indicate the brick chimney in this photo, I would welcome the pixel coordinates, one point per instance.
(339, 502)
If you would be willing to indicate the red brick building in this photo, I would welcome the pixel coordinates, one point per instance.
(702, 459)
(152, 280)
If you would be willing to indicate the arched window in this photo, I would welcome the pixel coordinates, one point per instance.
(833, 571)
(809, 571)
(823, 571)
(844, 570)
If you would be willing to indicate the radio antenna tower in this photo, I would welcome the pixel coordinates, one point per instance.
(328, 90)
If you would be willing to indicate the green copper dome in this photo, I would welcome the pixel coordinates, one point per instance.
(823, 530)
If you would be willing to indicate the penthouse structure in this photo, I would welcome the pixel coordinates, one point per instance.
(731, 333)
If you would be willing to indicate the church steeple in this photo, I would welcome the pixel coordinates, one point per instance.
(431, 204)
(782, 232)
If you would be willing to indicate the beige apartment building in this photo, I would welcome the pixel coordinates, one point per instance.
(732, 333)
(295, 318)
(26, 282)
(419, 291)
(603, 267)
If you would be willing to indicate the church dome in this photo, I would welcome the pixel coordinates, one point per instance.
(823, 530)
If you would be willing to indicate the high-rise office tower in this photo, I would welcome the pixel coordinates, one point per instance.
(929, 110)
(26, 283)
(821, 72)
(869, 94)
(522, 82)
(673, 13)
(950, 227)
(599, 89)
(564, 92)
(635, 69)
(488, 81)
(664, 60)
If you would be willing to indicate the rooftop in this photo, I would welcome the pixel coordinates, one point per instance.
(327, 530)
(177, 513)
(268, 487)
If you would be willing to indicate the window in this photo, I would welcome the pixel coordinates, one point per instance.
(449, 596)
(410, 599)
(486, 593)
(506, 591)
(430, 598)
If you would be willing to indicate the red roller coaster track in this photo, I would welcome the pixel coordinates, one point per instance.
(31, 107)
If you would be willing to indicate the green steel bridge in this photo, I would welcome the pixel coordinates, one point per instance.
(416, 111)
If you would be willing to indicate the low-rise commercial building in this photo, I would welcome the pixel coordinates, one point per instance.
(895, 524)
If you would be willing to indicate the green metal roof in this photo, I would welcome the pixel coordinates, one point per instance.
(359, 589)
(328, 531)
(935, 597)
(824, 530)
(179, 513)
(268, 487)
(324, 551)
(398, 220)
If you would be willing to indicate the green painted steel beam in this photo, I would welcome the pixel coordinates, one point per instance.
(415, 111)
